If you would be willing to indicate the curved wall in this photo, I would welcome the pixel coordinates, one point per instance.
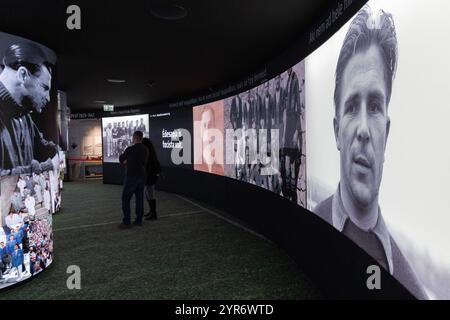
(29, 158)
(364, 168)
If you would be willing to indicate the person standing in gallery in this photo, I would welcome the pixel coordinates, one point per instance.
(135, 159)
(153, 171)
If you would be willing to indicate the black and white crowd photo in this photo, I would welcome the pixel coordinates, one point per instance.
(117, 134)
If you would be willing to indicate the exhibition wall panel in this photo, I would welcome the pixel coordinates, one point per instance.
(30, 159)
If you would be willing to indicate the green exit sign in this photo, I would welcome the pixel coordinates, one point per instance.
(108, 107)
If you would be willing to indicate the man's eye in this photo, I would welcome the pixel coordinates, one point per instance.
(374, 107)
(350, 108)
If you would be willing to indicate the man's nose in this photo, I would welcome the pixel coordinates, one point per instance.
(363, 133)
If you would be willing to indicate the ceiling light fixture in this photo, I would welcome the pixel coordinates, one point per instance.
(100, 101)
(116, 80)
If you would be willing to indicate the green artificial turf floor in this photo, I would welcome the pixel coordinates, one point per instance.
(188, 253)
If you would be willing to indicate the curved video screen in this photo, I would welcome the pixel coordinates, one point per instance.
(376, 134)
(356, 133)
(257, 136)
(30, 158)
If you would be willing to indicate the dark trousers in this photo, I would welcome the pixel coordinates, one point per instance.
(133, 185)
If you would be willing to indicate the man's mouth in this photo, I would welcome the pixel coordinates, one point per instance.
(362, 161)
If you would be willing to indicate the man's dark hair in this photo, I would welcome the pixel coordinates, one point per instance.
(28, 55)
(138, 134)
(366, 30)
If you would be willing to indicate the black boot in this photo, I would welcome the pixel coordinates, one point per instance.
(153, 215)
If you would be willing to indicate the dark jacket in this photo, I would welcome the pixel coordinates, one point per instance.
(136, 157)
(153, 166)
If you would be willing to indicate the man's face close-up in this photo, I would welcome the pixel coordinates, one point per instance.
(38, 89)
(362, 126)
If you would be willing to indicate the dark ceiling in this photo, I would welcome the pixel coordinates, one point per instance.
(216, 43)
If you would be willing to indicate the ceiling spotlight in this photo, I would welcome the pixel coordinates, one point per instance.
(168, 11)
(116, 80)
(99, 101)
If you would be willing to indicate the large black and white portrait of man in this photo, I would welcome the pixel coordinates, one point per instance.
(25, 84)
(363, 83)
